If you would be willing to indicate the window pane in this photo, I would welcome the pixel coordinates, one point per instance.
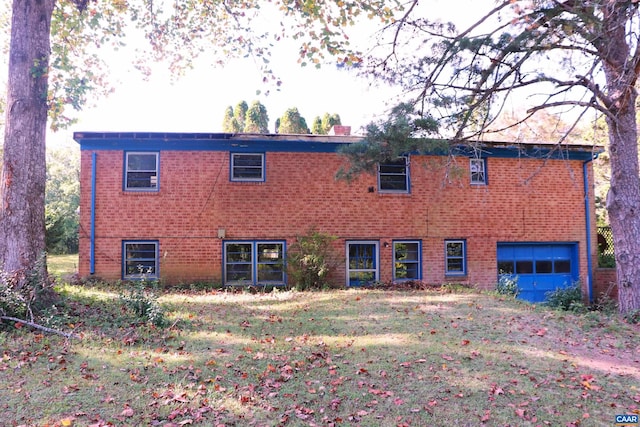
(361, 277)
(238, 273)
(141, 162)
(141, 180)
(406, 251)
(505, 267)
(563, 266)
(477, 167)
(454, 249)
(361, 257)
(270, 273)
(455, 266)
(239, 252)
(544, 267)
(269, 252)
(524, 267)
(407, 271)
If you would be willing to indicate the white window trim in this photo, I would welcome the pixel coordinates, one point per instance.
(406, 177)
(262, 169)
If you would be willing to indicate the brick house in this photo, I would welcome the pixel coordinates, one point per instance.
(222, 207)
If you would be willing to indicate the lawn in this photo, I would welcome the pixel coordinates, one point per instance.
(351, 358)
(62, 265)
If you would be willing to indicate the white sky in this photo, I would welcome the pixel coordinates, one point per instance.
(197, 101)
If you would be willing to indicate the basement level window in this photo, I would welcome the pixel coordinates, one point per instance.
(407, 260)
(141, 171)
(139, 259)
(455, 257)
(393, 176)
(254, 263)
(247, 167)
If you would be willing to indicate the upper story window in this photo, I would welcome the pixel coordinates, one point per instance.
(455, 257)
(393, 176)
(247, 167)
(141, 171)
(140, 259)
(478, 171)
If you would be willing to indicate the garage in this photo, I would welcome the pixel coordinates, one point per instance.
(538, 267)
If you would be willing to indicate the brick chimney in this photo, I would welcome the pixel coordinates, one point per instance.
(340, 130)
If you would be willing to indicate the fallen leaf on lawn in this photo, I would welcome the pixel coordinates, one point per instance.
(127, 412)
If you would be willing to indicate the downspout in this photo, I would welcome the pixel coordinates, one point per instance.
(587, 222)
(92, 232)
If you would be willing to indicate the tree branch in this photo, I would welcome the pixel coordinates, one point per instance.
(40, 327)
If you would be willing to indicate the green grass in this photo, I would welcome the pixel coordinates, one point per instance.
(62, 265)
(357, 357)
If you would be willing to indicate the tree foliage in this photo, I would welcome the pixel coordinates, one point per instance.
(257, 119)
(292, 122)
(566, 55)
(229, 122)
(322, 126)
(55, 61)
(62, 200)
(404, 131)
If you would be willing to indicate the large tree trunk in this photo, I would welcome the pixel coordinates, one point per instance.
(22, 185)
(623, 200)
(623, 205)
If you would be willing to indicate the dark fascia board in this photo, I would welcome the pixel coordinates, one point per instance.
(168, 141)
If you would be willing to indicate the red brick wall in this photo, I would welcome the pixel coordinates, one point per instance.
(525, 201)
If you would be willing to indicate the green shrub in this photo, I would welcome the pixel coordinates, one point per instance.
(139, 298)
(311, 260)
(507, 285)
(567, 299)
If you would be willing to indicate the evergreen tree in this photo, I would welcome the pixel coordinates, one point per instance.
(316, 127)
(229, 123)
(257, 119)
(292, 122)
(239, 114)
(329, 120)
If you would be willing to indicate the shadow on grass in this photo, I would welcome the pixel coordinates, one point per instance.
(364, 357)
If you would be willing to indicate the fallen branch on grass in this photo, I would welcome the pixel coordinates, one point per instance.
(40, 327)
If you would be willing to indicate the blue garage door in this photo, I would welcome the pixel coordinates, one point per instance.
(539, 267)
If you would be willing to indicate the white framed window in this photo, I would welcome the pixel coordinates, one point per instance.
(139, 259)
(254, 263)
(393, 176)
(478, 171)
(407, 260)
(247, 167)
(141, 171)
(362, 262)
(455, 257)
